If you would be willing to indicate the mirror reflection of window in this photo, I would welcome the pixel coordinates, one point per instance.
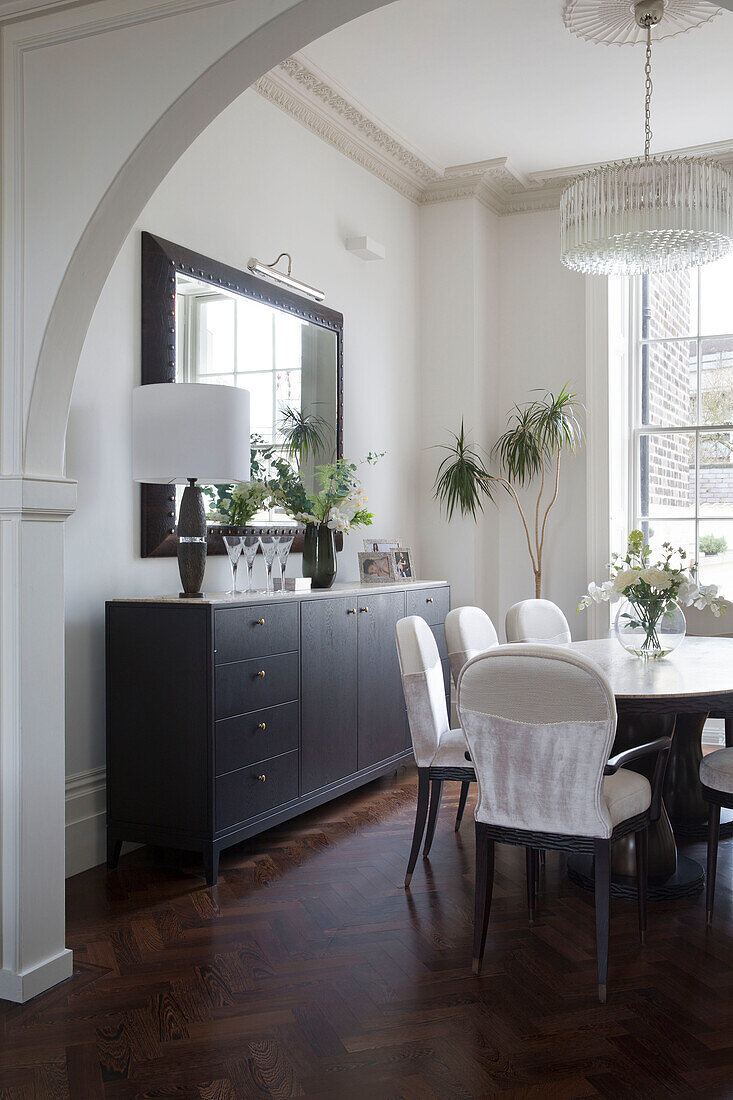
(285, 362)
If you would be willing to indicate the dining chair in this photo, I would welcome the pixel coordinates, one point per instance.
(468, 631)
(440, 752)
(537, 622)
(540, 721)
(716, 777)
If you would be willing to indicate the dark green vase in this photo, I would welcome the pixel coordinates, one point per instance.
(319, 555)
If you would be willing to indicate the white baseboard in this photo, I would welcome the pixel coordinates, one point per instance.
(86, 814)
(21, 987)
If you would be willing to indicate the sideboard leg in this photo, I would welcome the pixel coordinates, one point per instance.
(211, 865)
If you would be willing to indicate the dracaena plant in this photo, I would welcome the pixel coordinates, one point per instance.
(537, 435)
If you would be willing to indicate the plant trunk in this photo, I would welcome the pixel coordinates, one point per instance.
(538, 584)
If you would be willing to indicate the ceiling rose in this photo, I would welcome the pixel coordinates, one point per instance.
(613, 22)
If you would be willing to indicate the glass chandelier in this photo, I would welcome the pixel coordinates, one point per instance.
(651, 213)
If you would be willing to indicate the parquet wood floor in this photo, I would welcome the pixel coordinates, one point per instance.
(309, 971)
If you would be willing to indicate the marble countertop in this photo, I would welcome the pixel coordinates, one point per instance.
(222, 599)
(700, 666)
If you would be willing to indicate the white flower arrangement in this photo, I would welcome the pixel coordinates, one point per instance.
(652, 591)
(656, 585)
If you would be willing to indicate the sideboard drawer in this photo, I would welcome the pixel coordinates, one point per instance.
(251, 791)
(244, 632)
(250, 737)
(254, 685)
(432, 604)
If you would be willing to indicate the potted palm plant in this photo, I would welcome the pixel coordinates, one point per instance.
(537, 435)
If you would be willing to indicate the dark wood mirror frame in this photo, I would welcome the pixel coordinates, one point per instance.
(160, 262)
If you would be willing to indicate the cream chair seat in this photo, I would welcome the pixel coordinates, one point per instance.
(716, 777)
(440, 752)
(539, 622)
(468, 631)
(540, 721)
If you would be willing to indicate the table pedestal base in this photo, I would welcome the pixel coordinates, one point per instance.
(686, 881)
(699, 830)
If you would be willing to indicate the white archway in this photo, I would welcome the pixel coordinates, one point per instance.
(35, 499)
(127, 195)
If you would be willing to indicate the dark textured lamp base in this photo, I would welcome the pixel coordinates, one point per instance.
(192, 541)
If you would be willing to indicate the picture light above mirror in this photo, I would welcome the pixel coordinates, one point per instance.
(206, 322)
(284, 278)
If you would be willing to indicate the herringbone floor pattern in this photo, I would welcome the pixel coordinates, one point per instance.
(309, 971)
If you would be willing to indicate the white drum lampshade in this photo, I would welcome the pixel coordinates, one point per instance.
(190, 432)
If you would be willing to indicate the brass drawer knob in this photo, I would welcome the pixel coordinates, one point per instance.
(261, 778)
(351, 611)
(364, 610)
(260, 622)
(262, 726)
(430, 600)
(261, 674)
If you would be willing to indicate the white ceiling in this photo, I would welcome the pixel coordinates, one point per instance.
(470, 80)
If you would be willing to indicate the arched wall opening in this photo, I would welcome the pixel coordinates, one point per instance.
(127, 195)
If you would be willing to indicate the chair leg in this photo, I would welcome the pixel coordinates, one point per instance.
(436, 790)
(713, 839)
(462, 802)
(530, 855)
(603, 911)
(641, 845)
(482, 895)
(423, 794)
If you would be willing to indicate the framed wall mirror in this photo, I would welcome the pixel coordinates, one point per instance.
(203, 321)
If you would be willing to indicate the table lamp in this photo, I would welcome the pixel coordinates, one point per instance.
(184, 433)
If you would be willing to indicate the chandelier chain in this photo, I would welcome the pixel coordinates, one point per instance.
(648, 93)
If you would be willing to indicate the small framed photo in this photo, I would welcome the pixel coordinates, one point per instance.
(375, 567)
(381, 546)
(403, 564)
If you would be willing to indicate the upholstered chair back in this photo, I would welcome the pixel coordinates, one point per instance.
(424, 687)
(539, 722)
(468, 631)
(538, 622)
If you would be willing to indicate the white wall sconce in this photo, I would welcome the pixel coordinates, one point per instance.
(366, 248)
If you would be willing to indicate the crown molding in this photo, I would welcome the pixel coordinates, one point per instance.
(320, 104)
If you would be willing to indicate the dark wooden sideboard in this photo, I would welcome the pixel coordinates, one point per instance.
(226, 717)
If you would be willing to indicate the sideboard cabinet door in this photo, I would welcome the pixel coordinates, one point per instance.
(328, 630)
(382, 725)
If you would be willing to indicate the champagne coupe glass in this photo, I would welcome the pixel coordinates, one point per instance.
(269, 546)
(250, 546)
(283, 544)
(234, 547)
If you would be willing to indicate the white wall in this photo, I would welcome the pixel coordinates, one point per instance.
(542, 344)
(459, 372)
(254, 183)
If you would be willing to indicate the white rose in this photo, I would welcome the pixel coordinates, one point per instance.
(657, 578)
(625, 579)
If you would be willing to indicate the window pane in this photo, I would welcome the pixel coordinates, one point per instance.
(670, 305)
(254, 335)
(666, 481)
(669, 383)
(260, 402)
(716, 554)
(681, 534)
(288, 341)
(215, 336)
(716, 299)
(716, 380)
(716, 473)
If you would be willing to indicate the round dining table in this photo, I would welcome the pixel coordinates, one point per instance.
(674, 695)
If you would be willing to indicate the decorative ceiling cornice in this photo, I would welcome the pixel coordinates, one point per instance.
(318, 103)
